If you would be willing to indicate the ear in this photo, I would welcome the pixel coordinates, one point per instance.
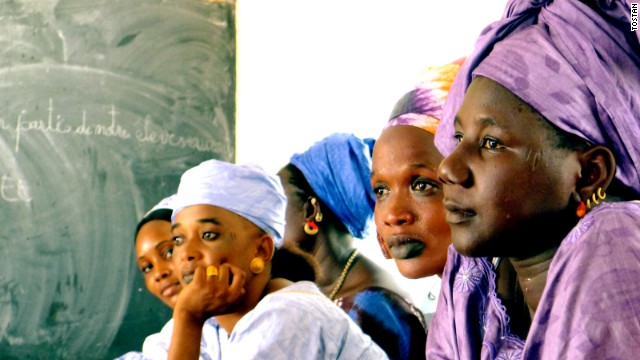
(598, 167)
(265, 248)
(312, 209)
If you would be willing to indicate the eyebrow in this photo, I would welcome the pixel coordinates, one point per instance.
(201, 221)
(486, 121)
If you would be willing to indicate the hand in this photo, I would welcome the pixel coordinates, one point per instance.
(208, 296)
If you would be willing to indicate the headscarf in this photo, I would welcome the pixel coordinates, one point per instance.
(160, 211)
(246, 190)
(338, 169)
(422, 106)
(576, 65)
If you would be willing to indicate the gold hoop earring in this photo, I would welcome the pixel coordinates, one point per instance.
(256, 265)
(600, 195)
(310, 228)
(318, 217)
(593, 197)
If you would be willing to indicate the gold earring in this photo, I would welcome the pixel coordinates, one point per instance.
(310, 228)
(319, 217)
(593, 197)
(256, 265)
(601, 195)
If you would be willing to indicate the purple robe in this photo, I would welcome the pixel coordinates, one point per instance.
(590, 307)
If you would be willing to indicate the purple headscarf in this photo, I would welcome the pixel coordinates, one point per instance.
(338, 168)
(576, 65)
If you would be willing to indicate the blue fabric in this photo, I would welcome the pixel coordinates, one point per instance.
(392, 322)
(246, 190)
(338, 168)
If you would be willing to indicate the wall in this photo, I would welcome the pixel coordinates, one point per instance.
(307, 69)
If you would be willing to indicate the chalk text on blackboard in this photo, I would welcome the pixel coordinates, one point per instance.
(14, 190)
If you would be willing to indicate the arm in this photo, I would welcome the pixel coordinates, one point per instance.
(203, 298)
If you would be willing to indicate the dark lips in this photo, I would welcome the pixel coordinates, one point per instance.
(456, 214)
(404, 247)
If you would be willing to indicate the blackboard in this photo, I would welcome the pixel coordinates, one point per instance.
(103, 104)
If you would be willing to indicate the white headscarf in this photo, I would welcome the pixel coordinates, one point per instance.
(246, 190)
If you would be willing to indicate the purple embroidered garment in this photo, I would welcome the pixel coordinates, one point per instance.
(590, 308)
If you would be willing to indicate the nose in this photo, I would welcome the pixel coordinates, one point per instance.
(454, 170)
(396, 210)
(187, 252)
(163, 272)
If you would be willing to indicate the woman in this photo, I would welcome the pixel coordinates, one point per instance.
(229, 220)
(409, 214)
(330, 202)
(154, 251)
(542, 160)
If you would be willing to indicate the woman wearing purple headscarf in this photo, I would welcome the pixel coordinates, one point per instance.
(542, 162)
(329, 203)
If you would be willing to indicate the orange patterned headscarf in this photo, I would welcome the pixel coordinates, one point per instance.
(422, 106)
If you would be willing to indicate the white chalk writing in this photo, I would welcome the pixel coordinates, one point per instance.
(54, 123)
(14, 190)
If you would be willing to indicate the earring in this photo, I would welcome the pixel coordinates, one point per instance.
(313, 202)
(601, 194)
(256, 265)
(310, 228)
(582, 210)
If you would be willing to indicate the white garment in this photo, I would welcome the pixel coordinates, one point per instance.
(156, 346)
(299, 322)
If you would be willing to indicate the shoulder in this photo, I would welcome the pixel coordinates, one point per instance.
(606, 223)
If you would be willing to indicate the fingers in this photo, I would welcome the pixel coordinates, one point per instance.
(212, 271)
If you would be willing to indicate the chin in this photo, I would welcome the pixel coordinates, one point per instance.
(414, 269)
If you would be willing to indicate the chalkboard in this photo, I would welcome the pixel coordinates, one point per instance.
(103, 104)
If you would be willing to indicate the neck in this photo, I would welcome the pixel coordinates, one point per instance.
(532, 276)
(251, 299)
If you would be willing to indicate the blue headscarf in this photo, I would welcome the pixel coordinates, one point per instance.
(338, 168)
(246, 190)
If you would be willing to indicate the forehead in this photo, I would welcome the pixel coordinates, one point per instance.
(196, 214)
(400, 144)
(491, 104)
(151, 234)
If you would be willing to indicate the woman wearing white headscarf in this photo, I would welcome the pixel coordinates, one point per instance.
(227, 226)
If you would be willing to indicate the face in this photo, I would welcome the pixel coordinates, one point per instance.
(209, 235)
(507, 188)
(154, 249)
(409, 214)
(295, 217)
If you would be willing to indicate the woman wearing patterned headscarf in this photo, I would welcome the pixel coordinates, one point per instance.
(542, 163)
(330, 202)
(409, 214)
(228, 223)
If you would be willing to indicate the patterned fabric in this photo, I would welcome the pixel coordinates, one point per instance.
(246, 190)
(338, 168)
(578, 66)
(299, 322)
(422, 107)
(391, 321)
(156, 346)
(589, 309)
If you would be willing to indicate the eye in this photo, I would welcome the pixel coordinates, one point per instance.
(210, 235)
(146, 268)
(458, 137)
(168, 253)
(380, 190)
(177, 241)
(491, 144)
(423, 185)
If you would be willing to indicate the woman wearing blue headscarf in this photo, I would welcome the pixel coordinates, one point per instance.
(329, 203)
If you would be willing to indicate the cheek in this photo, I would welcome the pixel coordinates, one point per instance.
(152, 285)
